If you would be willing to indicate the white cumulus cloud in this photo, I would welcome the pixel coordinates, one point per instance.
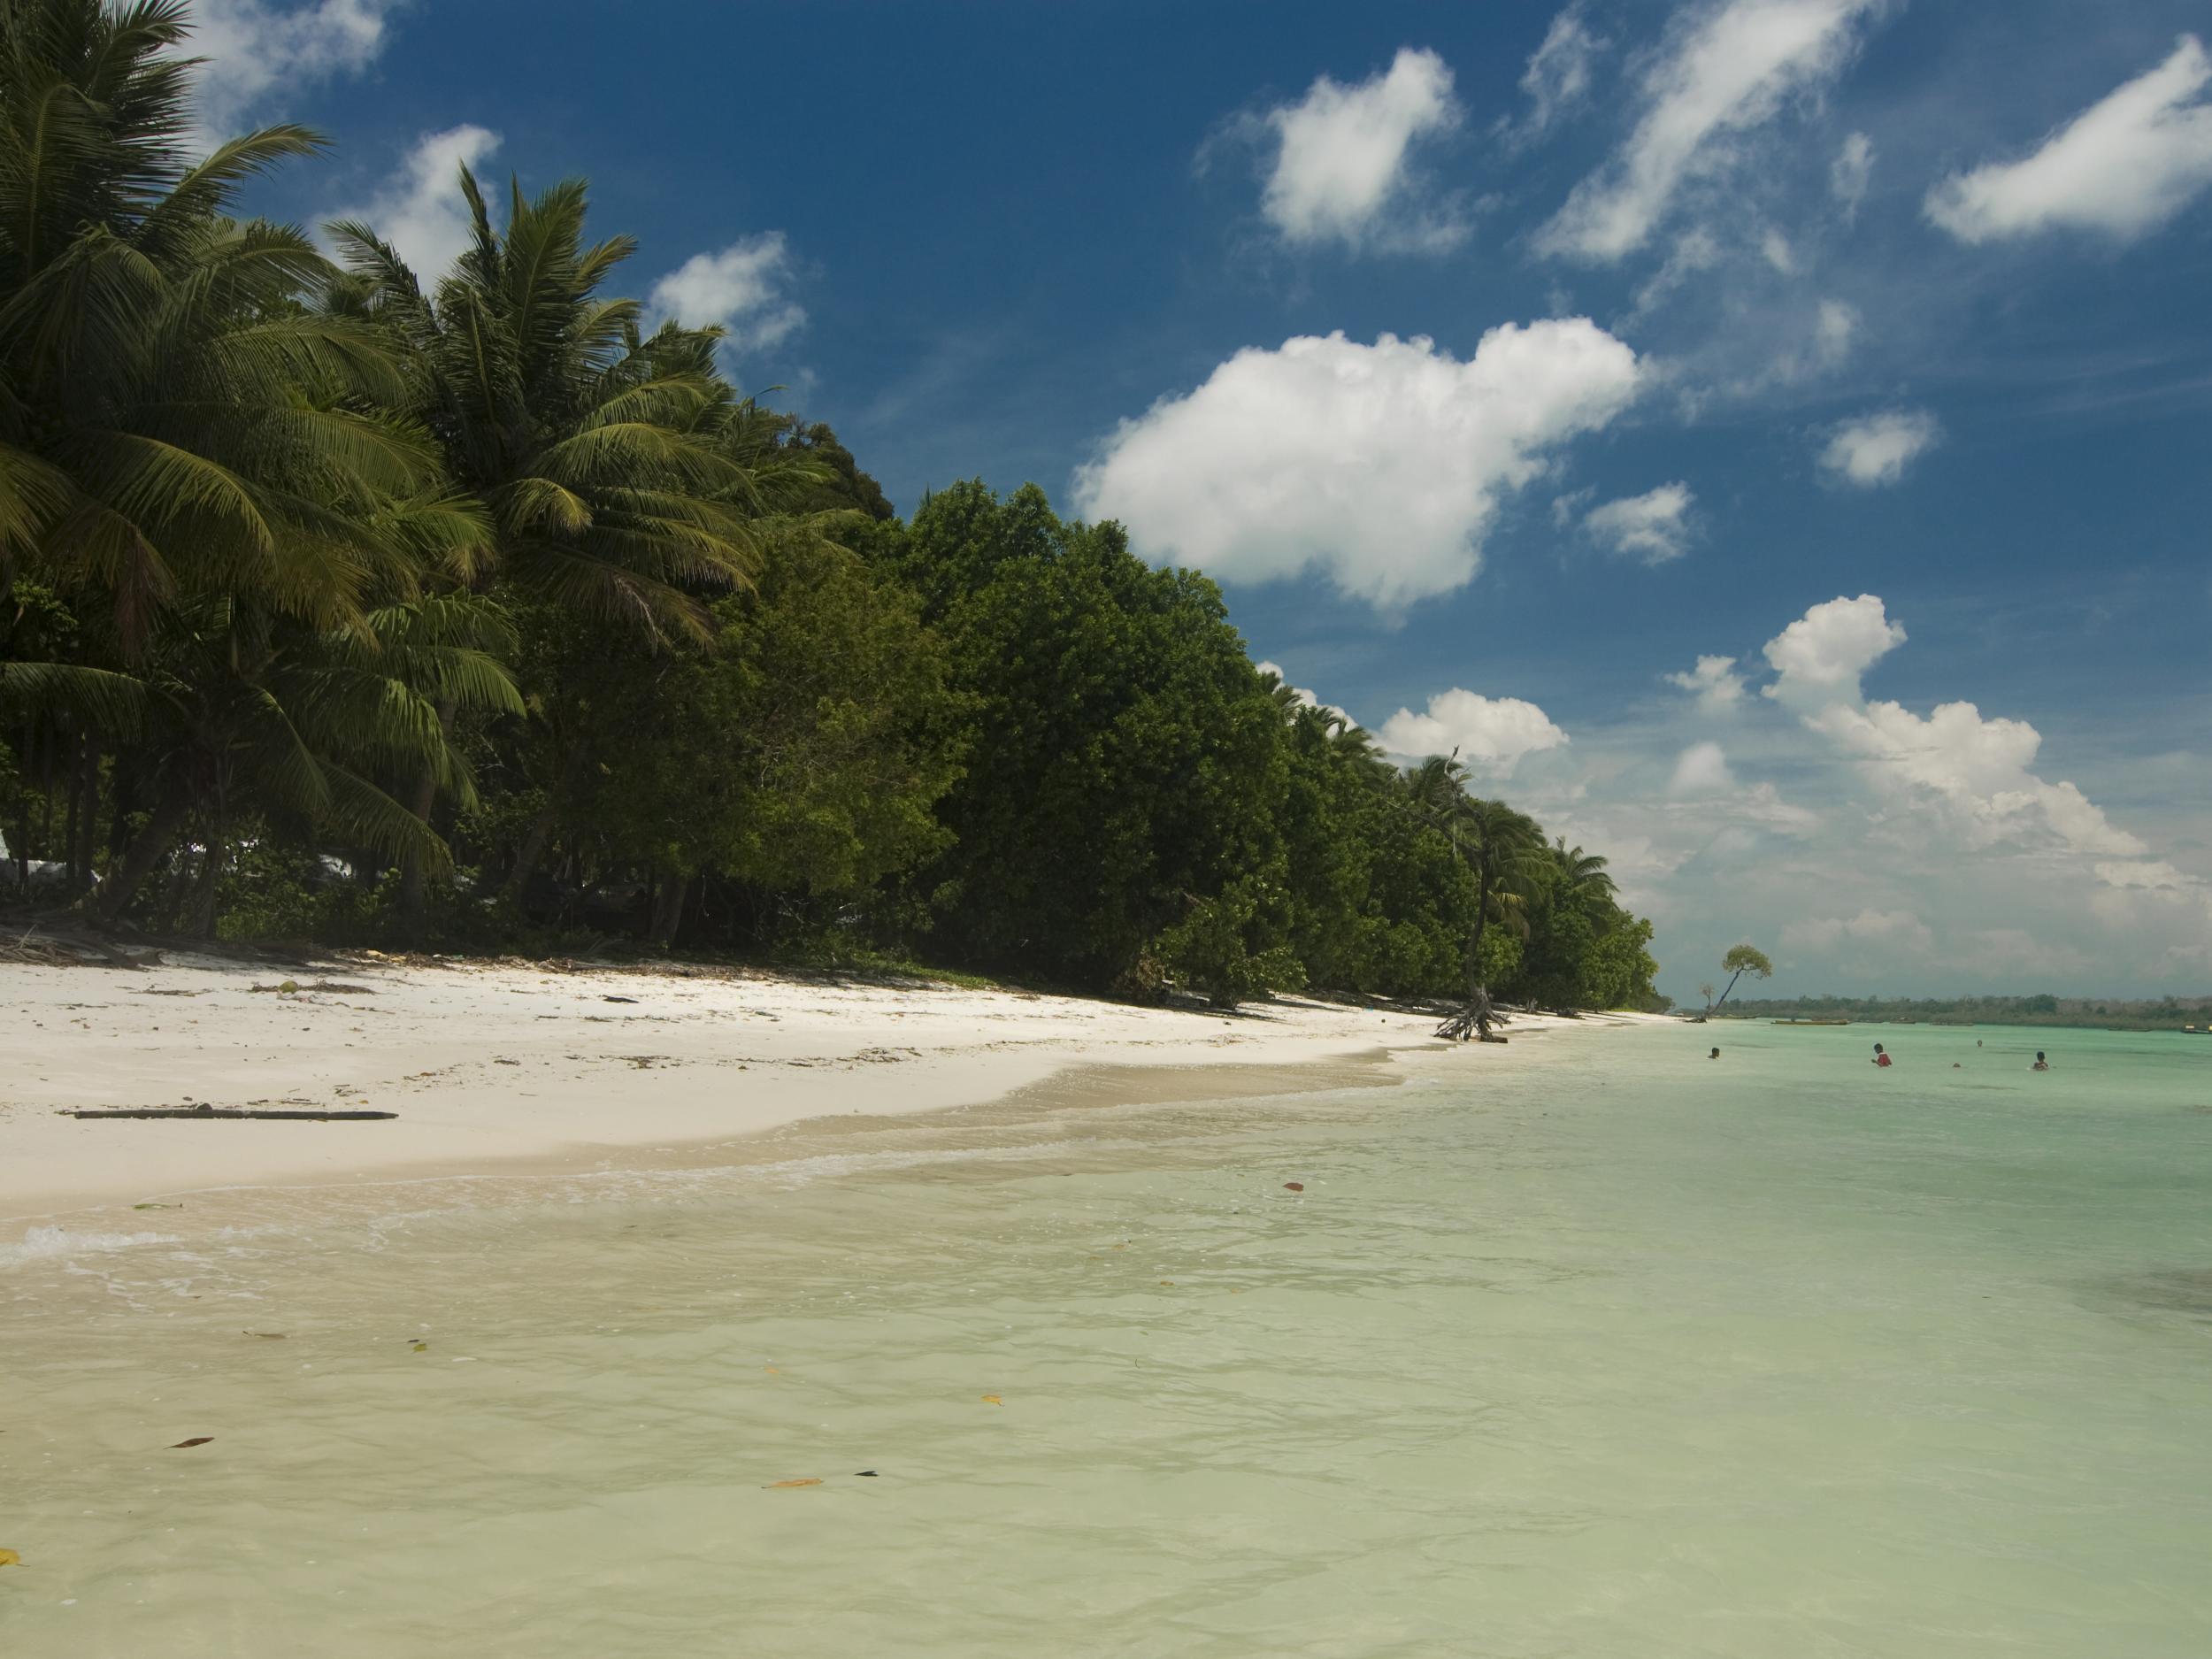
(1701, 769)
(1728, 69)
(1381, 466)
(742, 288)
(1492, 734)
(1340, 163)
(420, 210)
(1715, 683)
(1876, 449)
(1654, 527)
(2122, 167)
(1820, 658)
(1978, 771)
(259, 54)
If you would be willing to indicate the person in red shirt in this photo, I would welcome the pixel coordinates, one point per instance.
(1881, 1055)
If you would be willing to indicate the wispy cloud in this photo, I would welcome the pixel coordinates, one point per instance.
(262, 57)
(1654, 527)
(1727, 69)
(2122, 167)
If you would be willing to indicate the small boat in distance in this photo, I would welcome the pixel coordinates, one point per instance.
(1811, 1022)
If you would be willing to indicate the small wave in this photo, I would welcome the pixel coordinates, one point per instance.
(46, 1244)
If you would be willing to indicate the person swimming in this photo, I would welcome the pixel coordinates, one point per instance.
(1714, 1055)
(1881, 1055)
(2041, 1065)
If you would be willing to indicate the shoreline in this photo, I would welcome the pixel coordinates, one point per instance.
(517, 1068)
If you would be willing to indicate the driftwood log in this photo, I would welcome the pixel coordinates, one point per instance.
(211, 1111)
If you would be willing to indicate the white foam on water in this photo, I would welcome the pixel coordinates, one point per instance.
(48, 1244)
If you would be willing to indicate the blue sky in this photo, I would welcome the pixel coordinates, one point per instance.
(1504, 361)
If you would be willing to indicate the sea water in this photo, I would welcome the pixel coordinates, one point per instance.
(1585, 1346)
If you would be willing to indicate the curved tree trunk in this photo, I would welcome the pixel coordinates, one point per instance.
(1723, 995)
(542, 828)
(148, 848)
(668, 909)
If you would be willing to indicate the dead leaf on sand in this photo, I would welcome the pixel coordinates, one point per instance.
(993, 1399)
(9, 1558)
(785, 1485)
(198, 1440)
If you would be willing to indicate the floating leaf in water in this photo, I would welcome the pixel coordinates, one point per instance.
(157, 1206)
(419, 1345)
(993, 1399)
(1168, 1282)
(1294, 1186)
(198, 1440)
(865, 1474)
(9, 1558)
(268, 1336)
(785, 1485)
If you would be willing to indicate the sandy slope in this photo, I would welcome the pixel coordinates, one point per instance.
(489, 1064)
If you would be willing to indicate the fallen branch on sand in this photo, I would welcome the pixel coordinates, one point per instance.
(210, 1112)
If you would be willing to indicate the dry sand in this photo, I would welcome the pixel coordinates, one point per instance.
(500, 1064)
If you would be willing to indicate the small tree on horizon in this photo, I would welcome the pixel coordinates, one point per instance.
(1705, 990)
(1740, 960)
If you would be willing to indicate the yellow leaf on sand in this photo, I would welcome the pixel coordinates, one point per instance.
(783, 1485)
(9, 1558)
(993, 1399)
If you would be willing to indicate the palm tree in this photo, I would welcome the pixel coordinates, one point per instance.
(625, 480)
(190, 456)
(156, 445)
(1500, 845)
(1579, 876)
(237, 710)
(602, 456)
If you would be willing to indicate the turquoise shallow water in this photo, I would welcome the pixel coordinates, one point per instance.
(1584, 1346)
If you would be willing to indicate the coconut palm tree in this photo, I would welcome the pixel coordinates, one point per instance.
(200, 463)
(1580, 875)
(1503, 849)
(602, 455)
(157, 446)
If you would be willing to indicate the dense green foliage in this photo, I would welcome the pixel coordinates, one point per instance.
(457, 609)
(2167, 1014)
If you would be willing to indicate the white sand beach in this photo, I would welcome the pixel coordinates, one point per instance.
(502, 1063)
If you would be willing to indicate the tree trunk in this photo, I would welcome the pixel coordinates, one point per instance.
(413, 881)
(668, 909)
(89, 808)
(1723, 995)
(147, 849)
(203, 891)
(542, 828)
(1475, 1018)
